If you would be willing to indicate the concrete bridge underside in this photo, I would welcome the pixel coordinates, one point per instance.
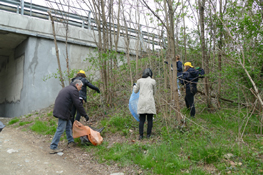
(27, 54)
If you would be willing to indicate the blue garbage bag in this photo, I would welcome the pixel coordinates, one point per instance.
(1, 126)
(133, 104)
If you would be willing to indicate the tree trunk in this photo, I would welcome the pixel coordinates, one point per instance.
(138, 38)
(220, 51)
(204, 56)
(185, 56)
(57, 53)
(171, 36)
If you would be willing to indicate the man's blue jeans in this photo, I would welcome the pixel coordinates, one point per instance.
(62, 125)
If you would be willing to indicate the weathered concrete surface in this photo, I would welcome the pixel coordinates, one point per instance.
(29, 55)
(12, 79)
(24, 89)
(23, 71)
(28, 91)
(9, 41)
(42, 28)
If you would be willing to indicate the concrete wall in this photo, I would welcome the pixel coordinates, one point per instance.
(11, 75)
(22, 87)
(42, 28)
(28, 91)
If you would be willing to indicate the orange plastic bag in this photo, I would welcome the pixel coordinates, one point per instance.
(80, 130)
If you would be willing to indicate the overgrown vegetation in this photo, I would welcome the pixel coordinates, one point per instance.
(195, 149)
(201, 147)
(226, 135)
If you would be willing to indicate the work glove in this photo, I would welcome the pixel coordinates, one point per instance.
(86, 117)
(166, 62)
(98, 91)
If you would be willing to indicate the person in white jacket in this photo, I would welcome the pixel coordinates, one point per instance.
(146, 104)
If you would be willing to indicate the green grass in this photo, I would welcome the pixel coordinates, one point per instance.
(29, 115)
(44, 128)
(24, 123)
(179, 151)
(50, 113)
(13, 121)
(119, 123)
(188, 150)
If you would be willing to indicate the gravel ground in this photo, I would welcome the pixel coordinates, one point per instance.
(25, 152)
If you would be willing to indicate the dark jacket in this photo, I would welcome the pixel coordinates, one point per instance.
(179, 65)
(83, 91)
(64, 101)
(190, 77)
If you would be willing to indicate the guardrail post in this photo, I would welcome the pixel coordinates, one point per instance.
(30, 7)
(17, 9)
(22, 7)
(89, 25)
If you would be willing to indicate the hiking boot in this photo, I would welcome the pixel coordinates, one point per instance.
(54, 151)
(72, 144)
(148, 136)
(141, 137)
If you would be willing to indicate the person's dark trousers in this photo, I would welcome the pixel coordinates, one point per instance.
(73, 112)
(150, 123)
(189, 100)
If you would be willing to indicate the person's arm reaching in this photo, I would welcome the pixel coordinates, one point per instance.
(76, 102)
(91, 86)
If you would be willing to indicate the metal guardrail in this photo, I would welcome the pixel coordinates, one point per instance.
(38, 11)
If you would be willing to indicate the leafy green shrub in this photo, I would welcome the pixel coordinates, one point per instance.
(14, 120)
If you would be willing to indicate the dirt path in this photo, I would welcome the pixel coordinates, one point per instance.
(31, 156)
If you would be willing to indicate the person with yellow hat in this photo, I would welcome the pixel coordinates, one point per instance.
(190, 79)
(81, 75)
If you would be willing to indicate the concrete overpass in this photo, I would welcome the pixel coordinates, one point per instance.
(27, 54)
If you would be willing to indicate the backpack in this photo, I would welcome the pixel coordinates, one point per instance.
(201, 72)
